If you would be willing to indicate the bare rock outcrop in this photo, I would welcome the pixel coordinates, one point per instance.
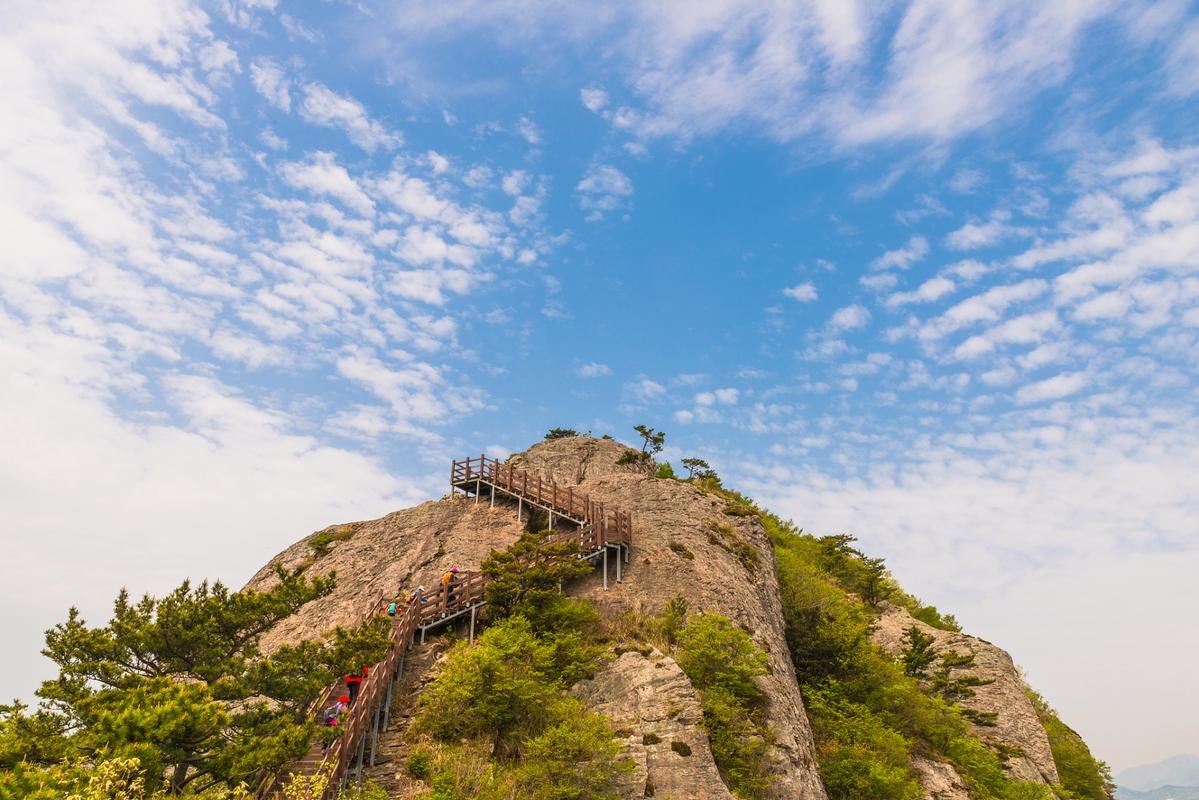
(653, 706)
(1017, 725)
(688, 543)
(940, 780)
(380, 557)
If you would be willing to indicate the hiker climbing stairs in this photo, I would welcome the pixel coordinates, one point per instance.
(601, 533)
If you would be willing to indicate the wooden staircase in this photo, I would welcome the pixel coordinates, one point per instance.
(598, 531)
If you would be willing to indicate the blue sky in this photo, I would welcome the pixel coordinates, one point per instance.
(927, 272)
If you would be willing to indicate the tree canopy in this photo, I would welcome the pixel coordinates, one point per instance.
(180, 686)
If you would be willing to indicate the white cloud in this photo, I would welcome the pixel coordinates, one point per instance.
(803, 292)
(593, 370)
(1054, 388)
(1048, 517)
(879, 282)
(929, 291)
(849, 318)
(271, 83)
(595, 99)
(323, 106)
(604, 188)
(965, 181)
(903, 257)
(321, 174)
(529, 131)
(974, 235)
(929, 71)
(644, 390)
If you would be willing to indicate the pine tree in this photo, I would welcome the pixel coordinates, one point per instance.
(526, 579)
(954, 688)
(874, 585)
(919, 655)
(180, 684)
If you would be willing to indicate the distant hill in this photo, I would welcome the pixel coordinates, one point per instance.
(1174, 772)
(1160, 793)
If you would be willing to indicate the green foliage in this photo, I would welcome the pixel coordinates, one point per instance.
(652, 440)
(507, 688)
(717, 655)
(1081, 775)
(682, 748)
(928, 614)
(632, 456)
(860, 755)
(561, 433)
(98, 779)
(575, 759)
(321, 540)
(420, 764)
(868, 717)
(948, 680)
(178, 684)
(726, 538)
(665, 471)
(698, 468)
(722, 661)
(674, 616)
(918, 655)
(368, 790)
(874, 586)
(526, 580)
(740, 742)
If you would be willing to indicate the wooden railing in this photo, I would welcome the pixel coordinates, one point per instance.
(599, 527)
(611, 526)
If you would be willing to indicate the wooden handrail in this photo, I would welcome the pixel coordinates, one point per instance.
(612, 526)
(600, 528)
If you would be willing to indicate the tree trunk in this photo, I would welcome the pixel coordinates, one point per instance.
(178, 778)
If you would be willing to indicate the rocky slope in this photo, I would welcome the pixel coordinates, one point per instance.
(686, 542)
(1016, 725)
(654, 709)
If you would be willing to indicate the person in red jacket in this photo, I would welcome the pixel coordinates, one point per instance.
(354, 683)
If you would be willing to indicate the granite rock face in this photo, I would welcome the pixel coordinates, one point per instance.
(940, 780)
(653, 707)
(384, 556)
(1017, 724)
(686, 544)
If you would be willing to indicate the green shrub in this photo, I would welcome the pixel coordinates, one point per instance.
(420, 764)
(722, 661)
(717, 655)
(507, 688)
(575, 758)
(321, 540)
(561, 433)
(861, 704)
(681, 549)
(740, 742)
(525, 580)
(682, 748)
(1081, 776)
(665, 471)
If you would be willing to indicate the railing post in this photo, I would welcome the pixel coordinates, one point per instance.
(377, 717)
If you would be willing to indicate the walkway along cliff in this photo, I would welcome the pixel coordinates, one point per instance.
(689, 542)
(600, 534)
